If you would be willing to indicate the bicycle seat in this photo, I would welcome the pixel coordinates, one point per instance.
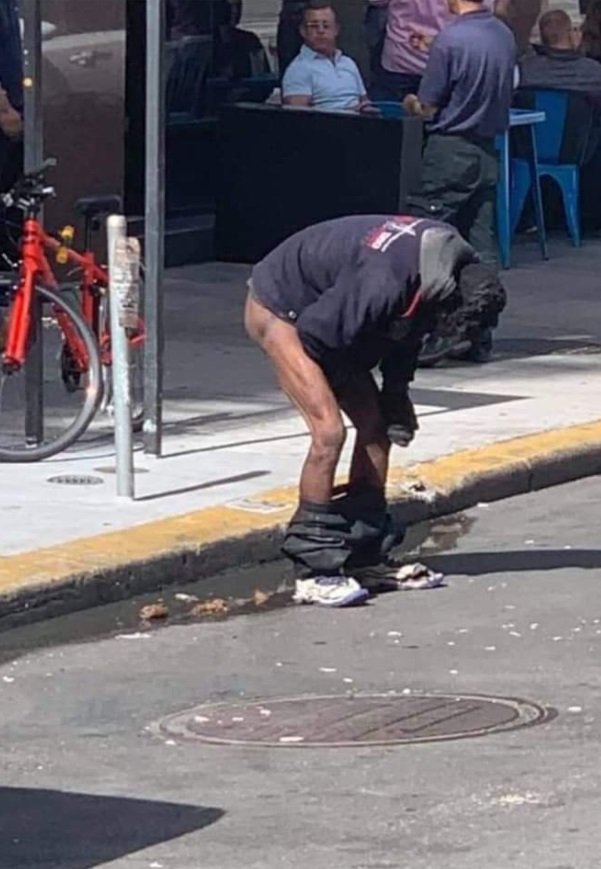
(92, 206)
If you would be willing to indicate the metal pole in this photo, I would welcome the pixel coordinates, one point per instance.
(116, 227)
(33, 155)
(154, 236)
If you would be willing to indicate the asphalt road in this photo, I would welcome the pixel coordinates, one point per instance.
(87, 783)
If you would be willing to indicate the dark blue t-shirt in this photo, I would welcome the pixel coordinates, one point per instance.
(470, 76)
(346, 283)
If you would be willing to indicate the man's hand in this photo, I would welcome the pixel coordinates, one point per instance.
(11, 122)
(413, 106)
(365, 107)
(400, 417)
(420, 41)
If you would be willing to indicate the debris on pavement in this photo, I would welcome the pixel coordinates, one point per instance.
(510, 800)
(214, 607)
(418, 577)
(153, 612)
(260, 597)
(181, 595)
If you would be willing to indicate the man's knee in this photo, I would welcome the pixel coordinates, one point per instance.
(328, 441)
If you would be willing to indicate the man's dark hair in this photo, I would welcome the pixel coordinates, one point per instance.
(483, 297)
(317, 6)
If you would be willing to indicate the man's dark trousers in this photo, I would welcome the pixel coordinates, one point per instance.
(459, 185)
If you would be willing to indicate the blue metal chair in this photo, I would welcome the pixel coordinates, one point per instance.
(549, 141)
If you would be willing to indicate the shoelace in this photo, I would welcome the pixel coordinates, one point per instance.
(331, 580)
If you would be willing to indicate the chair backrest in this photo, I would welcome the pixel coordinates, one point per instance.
(571, 129)
(188, 64)
(549, 135)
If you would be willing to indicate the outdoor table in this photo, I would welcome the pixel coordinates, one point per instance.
(518, 118)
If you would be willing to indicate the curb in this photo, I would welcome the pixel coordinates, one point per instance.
(61, 579)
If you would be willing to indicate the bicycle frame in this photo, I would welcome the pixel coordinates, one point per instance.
(35, 267)
(94, 280)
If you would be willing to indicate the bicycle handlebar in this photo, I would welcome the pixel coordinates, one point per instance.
(30, 191)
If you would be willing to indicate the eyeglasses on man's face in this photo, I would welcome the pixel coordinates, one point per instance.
(320, 25)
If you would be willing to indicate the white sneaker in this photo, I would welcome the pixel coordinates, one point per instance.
(391, 575)
(333, 591)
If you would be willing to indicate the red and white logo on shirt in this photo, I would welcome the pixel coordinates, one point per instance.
(384, 236)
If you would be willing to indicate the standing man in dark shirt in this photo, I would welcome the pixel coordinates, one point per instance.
(466, 94)
(327, 306)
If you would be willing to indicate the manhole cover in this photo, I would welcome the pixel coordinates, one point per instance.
(352, 720)
(76, 480)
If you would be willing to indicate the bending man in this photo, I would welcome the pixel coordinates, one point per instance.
(327, 306)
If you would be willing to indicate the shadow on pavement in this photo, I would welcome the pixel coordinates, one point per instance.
(199, 487)
(59, 830)
(522, 348)
(479, 563)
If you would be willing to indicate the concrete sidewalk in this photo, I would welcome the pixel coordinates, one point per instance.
(230, 435)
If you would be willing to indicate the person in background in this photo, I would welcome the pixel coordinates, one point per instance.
(591, 32)
(465, 96)
(190, 18)
(321, 76)
(411, 27)
(521, 17)
(239, 53)
(11, 108)
(11, 92)
(559, 63)
(289, 39)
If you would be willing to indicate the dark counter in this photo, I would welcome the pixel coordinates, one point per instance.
(281, 170)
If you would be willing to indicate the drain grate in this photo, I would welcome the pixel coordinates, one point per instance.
(354, 720)
(76, 480)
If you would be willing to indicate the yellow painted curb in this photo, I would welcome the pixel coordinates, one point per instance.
(104, 556)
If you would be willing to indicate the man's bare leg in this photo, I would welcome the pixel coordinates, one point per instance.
(305, 384)
(317, 540)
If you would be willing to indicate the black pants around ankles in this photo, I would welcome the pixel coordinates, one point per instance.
(459, 185)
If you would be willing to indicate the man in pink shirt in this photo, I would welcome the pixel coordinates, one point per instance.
(411, 28)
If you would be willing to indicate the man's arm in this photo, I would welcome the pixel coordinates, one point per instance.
(11, 122)
(297, 88)
(434, 90)
(398, 368)
(364, 104)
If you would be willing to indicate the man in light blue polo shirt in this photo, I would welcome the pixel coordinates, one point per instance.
(321, 76)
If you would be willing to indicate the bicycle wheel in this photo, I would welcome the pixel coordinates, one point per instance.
(68, 402)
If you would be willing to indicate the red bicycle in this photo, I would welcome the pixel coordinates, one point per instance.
(56, 361)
